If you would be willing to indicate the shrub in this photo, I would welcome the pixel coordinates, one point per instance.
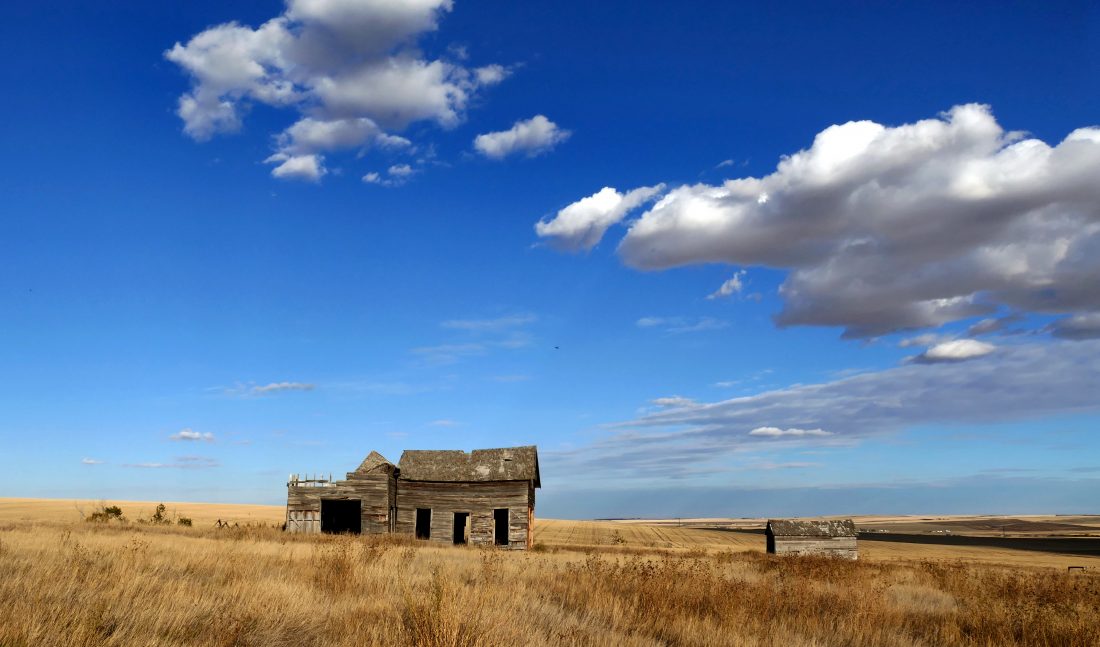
(184, 521)
(106, 513)
(159, 516)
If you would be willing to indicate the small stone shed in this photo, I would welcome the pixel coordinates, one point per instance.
(484, 497)
(836, 538)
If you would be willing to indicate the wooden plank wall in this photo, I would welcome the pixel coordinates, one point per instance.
(376, 491)
(834, 546)
(478, 499)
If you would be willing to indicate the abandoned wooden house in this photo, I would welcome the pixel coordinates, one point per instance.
(812, 537)
(485, 497)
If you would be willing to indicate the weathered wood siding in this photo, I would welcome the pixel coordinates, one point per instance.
(478, 499)
(832, 546)
(376, 492)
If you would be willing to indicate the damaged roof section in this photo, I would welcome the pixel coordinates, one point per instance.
(503, 464)
(374, 462)
(811, 528)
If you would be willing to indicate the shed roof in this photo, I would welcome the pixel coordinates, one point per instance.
(811, 528)
(480, 465)
(372, 463)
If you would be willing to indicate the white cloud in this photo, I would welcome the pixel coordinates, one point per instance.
(444, 422)
(400, 170)
(297, 167)
(277, 387)
(776, 432)
(582, 224)
(729, 288)
(957, 350)
(91, 461)
(888, 228)
(534, 136)
(396, 175)
(191, 435)
(350, 68)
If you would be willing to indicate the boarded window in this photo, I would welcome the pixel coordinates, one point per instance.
(500, 526)
(423, 523)
(461, 528)
(342, 515)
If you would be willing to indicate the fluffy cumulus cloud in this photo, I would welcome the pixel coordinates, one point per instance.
(349, 68)
(884, 228)
(531, 137)
(582, 224)
(1016, 382)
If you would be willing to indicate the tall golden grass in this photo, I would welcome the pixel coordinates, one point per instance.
(117, 584)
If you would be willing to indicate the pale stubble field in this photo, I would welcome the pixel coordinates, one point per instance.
(69, 582)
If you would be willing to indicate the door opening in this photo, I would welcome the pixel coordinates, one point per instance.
(342, 515)
(500, 526)
(461, 528)
(423, 523)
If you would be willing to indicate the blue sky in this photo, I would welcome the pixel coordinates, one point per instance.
(798, 258)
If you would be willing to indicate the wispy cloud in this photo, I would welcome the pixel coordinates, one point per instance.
(180, 462)
(444, 422)
(192, 435)
(732, 286)
(681, 325)
(1017, 382)
(495, 324)
(790, 465)
(674, 401)
(793, 432)
(251, 389)
(279, 387)
(450, 353)
(91, 461)
(479, 337)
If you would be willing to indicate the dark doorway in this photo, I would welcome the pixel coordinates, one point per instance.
(500, 526)
(423, 523)
(341, 515)
(460, 531)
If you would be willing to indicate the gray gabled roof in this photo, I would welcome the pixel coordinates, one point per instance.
(372, 463)
(811, 528)
(480, 465)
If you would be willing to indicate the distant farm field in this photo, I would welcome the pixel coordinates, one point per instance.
(72, 582)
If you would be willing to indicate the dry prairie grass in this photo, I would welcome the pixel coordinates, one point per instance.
(114, 584)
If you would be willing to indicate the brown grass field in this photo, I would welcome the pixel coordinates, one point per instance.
(70, 582)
